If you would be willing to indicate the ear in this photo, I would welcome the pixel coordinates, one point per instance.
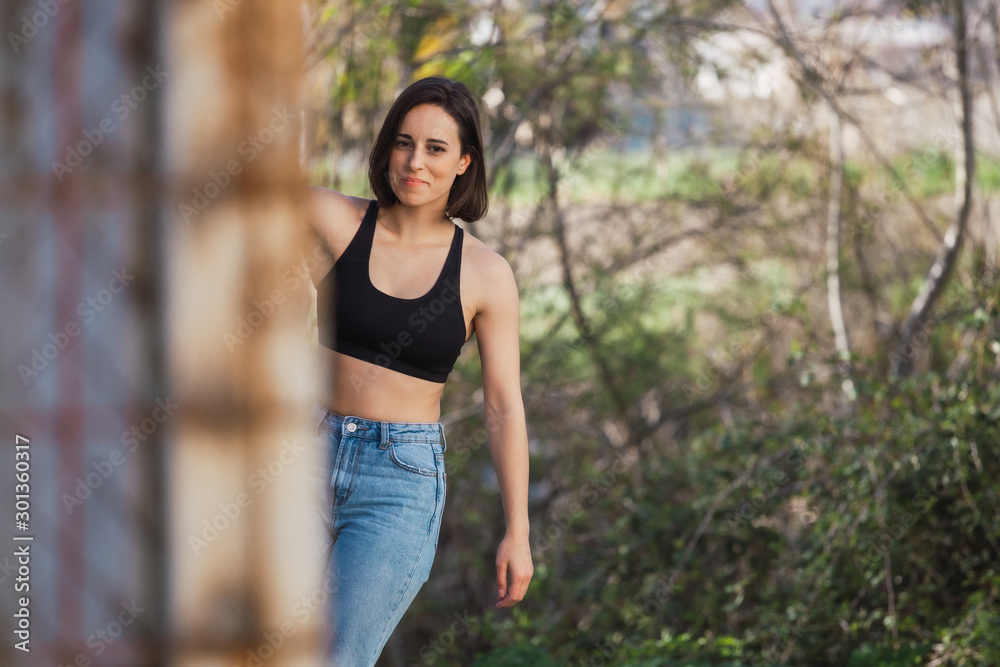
(464, 163)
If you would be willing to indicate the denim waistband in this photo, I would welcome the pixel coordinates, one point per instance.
(370, 429)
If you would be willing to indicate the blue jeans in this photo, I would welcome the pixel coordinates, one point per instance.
(387, 487)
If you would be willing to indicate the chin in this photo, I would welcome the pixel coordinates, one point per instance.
(411, 199)
(407, 200)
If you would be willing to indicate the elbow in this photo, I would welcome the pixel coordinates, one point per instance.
(503, 409)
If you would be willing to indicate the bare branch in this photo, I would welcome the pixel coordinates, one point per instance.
(940, 271)
(833, 256)
(812, 78)
(579, 317)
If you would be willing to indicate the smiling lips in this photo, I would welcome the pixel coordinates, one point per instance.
(413, 181)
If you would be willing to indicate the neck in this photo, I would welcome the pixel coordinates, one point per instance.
(416, 225)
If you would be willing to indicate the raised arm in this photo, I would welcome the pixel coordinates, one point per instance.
(329, 216)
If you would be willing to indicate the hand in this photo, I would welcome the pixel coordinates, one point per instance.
(513, 556)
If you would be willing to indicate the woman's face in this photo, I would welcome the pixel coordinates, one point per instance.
(426, 157)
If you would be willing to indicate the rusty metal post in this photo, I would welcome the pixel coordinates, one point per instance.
(244, 538)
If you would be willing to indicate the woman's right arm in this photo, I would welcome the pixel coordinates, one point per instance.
(331, 216)
(320, 204)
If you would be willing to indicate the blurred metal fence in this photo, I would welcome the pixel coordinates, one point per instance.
(157, 372)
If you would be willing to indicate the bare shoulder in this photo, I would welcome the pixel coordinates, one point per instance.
(334, 217)
(491, 275)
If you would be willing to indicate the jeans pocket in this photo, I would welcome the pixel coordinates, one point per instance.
(418, 457)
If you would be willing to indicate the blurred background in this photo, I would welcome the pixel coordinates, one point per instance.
(756, 248)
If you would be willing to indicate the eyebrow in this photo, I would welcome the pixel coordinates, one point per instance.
(433, 141)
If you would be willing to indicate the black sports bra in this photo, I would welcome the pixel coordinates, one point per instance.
(421, 337)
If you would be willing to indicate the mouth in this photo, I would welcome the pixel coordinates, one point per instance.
(413, 181)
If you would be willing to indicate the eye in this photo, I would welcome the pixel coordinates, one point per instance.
(437, 149)
(402, 143)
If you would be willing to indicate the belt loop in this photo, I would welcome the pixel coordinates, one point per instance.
(444, 442)
(317, 413)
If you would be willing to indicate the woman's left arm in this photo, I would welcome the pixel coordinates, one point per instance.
(498, 337)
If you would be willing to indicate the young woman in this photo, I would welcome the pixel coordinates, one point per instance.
(403, 291)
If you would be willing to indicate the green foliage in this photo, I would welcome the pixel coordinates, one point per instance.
(763, 580)
(854, 173)
(516, 656)
(764, 521)
(927, 172)
(684, 649)
(987, 172)
(887, 656)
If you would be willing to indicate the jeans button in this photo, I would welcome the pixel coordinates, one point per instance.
(352, 427)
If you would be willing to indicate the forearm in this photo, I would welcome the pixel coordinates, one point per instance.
(509, 451)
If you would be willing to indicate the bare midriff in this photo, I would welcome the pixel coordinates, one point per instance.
(362, 389)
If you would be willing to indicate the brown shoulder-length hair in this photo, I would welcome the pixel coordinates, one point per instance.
(468, 199)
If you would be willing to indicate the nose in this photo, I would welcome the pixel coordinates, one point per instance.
(416, 160)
